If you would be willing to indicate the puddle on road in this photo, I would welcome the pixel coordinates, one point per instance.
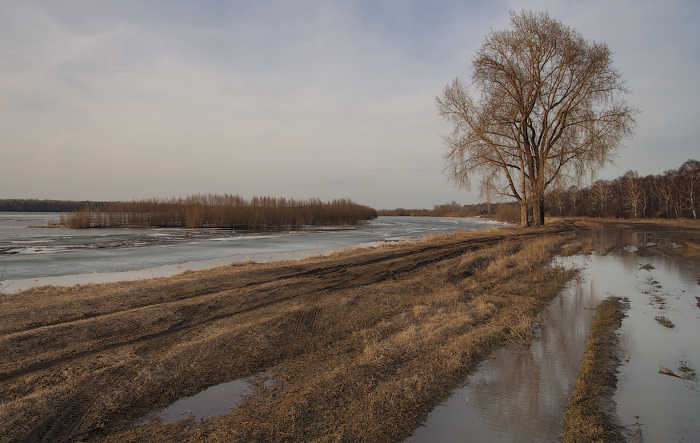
(520, 394)
(215, 400)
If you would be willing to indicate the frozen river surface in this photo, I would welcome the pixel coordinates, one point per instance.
(31, 256)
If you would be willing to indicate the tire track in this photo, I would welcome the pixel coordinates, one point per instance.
(68, 422)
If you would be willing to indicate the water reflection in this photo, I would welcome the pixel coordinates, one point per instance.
(521, 394)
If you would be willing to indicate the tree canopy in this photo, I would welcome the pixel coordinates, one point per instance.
(544, 105)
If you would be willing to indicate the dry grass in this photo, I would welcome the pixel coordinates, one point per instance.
(589, 416)
(665, 322)
(361, 345)
(691, 251)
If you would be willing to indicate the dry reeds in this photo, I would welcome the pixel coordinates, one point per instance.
(221, 211)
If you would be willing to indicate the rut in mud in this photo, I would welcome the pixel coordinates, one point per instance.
(87, 361)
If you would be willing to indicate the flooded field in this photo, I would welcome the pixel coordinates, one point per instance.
(366, 333)
(520, 394)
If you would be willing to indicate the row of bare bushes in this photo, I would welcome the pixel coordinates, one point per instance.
(221, 211)
(502, 211)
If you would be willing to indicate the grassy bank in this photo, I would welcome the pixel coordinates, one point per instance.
(590, 414)
(360, 345)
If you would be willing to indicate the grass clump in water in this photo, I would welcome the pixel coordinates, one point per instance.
(689, 372)
(665, 322)
(588, 417)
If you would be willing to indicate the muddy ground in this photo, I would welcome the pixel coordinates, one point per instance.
(359, 346)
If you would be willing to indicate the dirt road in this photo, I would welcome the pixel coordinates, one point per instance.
(360, 344)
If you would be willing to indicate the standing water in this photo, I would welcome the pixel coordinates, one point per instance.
(521, 394)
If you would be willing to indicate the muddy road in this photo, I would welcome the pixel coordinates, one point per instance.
(367, 333)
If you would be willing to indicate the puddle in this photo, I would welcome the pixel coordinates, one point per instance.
(520, 394)
(215, 400)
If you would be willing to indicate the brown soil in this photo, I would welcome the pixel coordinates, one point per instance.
(361, 344)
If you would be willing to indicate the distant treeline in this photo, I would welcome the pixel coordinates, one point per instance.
(674, 194)
(222, 211)
(34, 205)
(498, 211)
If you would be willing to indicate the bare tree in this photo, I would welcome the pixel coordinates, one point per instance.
(601, 193)
(558, 198)
(546, 107)
(633, 193)
(689, 173)
(662, 190)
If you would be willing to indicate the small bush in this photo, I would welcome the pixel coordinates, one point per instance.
(508, 213)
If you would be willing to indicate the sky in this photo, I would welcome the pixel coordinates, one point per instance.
(132, 99)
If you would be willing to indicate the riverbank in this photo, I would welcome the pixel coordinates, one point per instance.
(361, 344)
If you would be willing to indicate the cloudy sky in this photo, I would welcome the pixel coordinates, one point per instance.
(115, 100)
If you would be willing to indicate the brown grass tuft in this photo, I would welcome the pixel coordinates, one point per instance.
(588, 417)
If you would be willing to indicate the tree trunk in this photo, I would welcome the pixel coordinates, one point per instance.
(538, 210)
(523, 213)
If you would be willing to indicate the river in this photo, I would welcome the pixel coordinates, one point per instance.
(32, 254)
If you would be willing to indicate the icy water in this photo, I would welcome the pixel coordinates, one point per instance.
(520, 394)
(31, 256)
